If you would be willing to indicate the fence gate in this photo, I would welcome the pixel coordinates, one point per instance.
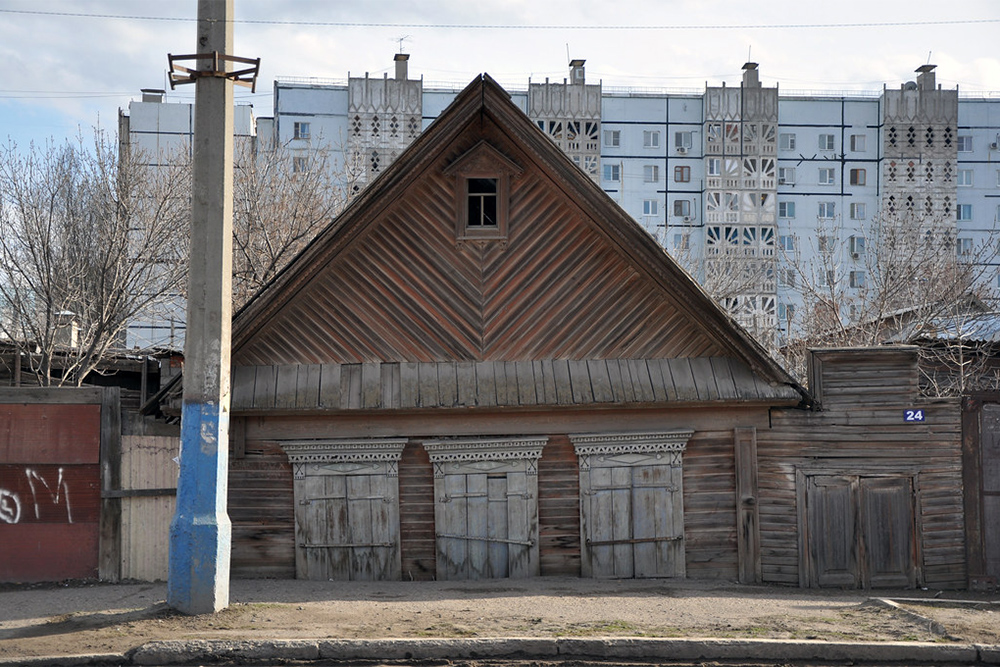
(632, 504)
(486, 507)
(859, 530)
(346, 509)
(51, 444)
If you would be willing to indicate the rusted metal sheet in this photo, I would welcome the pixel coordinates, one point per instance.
(49, 521)
(36, 433)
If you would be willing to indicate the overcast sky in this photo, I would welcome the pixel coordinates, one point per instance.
(70, 64)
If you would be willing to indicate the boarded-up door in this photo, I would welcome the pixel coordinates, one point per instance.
(631, 504)
(859, 531)
(346, 509)
(486, 507)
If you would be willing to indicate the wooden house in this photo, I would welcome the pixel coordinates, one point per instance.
(485, 368)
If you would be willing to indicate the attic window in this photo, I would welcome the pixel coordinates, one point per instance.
(482, 188)
(482, 202)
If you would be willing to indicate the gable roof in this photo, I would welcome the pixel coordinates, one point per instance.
(578, 279)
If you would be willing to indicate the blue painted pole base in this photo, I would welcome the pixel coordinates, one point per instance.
(201, 533)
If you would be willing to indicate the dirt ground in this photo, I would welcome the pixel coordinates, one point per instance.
(87, 617)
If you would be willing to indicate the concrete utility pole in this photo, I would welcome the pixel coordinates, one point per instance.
(201, 534)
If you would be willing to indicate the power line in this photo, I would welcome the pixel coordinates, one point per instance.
(502, 26)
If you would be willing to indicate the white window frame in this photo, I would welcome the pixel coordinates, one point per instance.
(786, 242)
(786, 175)
(682, 241)
(301, 130)
(714, 167)
(964, 178)
(612, 172)
(859, 210)
(827, 176)
(827, 210)
(650, 207)
(963, 246)
(786, 141)
(963, 212)
(684, 139)
(650, 138)
(964, 143)
(786, 210)
(858, 143)
(857, 279)
(856, 246)
(613, 138)
(650, 173)
(827, 142)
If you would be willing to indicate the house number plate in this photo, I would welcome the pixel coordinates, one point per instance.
(913, 415)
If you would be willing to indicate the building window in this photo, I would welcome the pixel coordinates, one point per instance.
(612, 138)
(683, 141)
(964, 143)
(857, 143)
(827, 176)
(787, 277)
(786, 142)
(826, 142)
(682, 174)
(827, 209)
(858, 211)
(827, 277)
(482, 192)
(858, 177)
(964, 212)
(651, 173)
(963, 246)
(786, 175)
(682, 241)
(300, 130)
(650, 139)
(857, 279)
(300, 165)
(612, 172)
(786, 311)
(482, 202)
(786, 209)
(715, 166)
(964, 178)
(682, 208)
(786, 242)
(650, 207)
(856, 246)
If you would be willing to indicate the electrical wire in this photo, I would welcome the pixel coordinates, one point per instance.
(502, 26)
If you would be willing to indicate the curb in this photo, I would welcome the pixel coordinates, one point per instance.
(246, 652)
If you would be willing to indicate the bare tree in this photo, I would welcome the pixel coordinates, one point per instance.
(282, 199)
(891, 279)
(91, 239)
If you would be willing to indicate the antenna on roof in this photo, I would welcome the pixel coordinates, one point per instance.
(749, 49)
(567, 52)
(401, 39)
(929, 57)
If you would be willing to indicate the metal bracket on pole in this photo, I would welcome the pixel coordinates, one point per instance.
(244, 77)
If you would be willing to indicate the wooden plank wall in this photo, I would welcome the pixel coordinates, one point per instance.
(559, 509)
(147, 465)
(261, 508)
(710, 506)
(416, 514)
(860, 429)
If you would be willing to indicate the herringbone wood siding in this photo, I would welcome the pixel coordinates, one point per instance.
(406, 290)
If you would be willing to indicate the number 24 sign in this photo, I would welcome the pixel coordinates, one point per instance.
(913, 415)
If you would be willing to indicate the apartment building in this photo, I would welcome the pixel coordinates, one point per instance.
(747, 186)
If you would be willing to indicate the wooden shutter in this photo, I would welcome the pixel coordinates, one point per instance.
(486, 507)
(631, 504)
(346, 509)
